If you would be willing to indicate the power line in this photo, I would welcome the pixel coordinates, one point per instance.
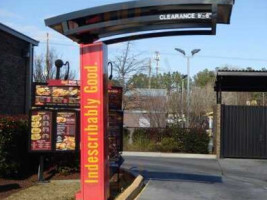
(172, 54)
(235, 58)
(59, 44)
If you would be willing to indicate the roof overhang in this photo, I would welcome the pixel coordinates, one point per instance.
(18, 34)
(143, 19)
(241, 81)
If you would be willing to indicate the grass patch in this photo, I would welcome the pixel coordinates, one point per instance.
(56, 190)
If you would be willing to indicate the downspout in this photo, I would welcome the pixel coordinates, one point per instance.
(29, 80)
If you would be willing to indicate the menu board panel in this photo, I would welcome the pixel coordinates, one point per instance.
(41, 130)
(115, 132)
(66, 131)
(56, 82)
(115, 98)
(56, 96)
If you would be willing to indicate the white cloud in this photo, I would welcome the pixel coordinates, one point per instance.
(41, 34)
(9, 14)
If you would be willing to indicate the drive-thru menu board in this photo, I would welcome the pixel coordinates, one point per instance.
(41, 130)
(115, 120)
(54, 116)
(115, 130)
(115, 98)
(53, 96)
(66, 129)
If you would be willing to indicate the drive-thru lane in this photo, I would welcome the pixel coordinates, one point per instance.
(195, 179)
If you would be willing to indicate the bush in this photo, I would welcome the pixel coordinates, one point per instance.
(14, 157)
(66, 163)
(196, 141)
(168, 144)
(171, 139)
(140, 139)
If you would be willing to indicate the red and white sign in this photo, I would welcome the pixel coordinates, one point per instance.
(94, 141)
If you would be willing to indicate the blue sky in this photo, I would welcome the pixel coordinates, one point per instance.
(243, 43)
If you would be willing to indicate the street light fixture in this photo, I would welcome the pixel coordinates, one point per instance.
(181, 51)
(193, 52)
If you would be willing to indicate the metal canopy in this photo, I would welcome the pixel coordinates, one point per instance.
(143, 19)
(241, 81)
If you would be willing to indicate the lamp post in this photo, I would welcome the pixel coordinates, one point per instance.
(188, 57)
(182, 100)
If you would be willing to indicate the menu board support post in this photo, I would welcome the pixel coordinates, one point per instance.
(41, 169)
(94, 107)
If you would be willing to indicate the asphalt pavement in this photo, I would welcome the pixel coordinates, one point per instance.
(177, 178)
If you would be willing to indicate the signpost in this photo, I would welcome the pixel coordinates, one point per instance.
(54, 119)
(117, 23)
(94, 107)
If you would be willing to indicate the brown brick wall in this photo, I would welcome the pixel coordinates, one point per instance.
(13, 66)
(217, 126)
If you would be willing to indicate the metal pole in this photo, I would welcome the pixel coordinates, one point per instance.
(41, 169)
(182, 100)
(188, 92)
(149, 74)
(182, 104)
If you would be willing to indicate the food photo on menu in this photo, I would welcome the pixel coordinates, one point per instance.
(66, 130)
(41, 130)
(47, 95)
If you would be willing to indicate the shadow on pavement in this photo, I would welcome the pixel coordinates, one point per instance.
(7, 187)
(168, 176)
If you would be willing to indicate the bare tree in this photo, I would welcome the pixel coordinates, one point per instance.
(202, 100)
(155, 106)
(44, 68)
(126, 64)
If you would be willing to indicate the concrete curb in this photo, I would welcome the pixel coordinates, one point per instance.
(169, 155)
(133, 190)
(66, 181)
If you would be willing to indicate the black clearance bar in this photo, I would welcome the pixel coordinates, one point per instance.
(170, 17)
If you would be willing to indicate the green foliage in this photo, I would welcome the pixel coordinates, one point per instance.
(171, 139)
(162, 81)
(14, 157)
(66, 163)
(204, 77)
(169, 144)
(196, 141)
(139, 81)
(140, 139)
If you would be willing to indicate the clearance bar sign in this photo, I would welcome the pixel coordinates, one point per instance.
(94, 161)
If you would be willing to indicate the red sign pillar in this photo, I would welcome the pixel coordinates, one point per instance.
(94, 142)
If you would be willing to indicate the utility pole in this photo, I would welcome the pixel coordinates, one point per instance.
(149, 73)
(157, 59)
(47, 72)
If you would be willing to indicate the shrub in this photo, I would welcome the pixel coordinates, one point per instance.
(66, 163)
(14, 157)
(140, 139)
(168, 144)
(171, 139)
(196, 141)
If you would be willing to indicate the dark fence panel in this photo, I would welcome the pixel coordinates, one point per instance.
(244, 132)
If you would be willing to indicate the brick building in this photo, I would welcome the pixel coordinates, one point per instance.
(16, 66)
